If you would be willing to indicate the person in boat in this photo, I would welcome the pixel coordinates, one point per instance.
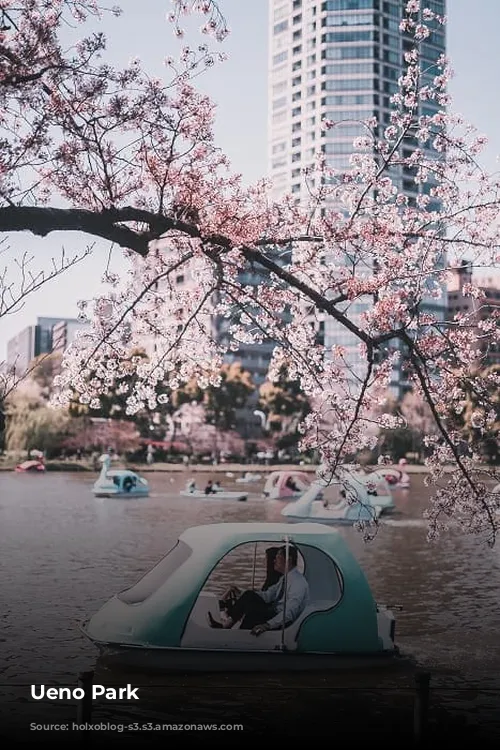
(291, 484)
(209, 489)
(266, 610)
(272, 576)
(191, 486)
(216, 486)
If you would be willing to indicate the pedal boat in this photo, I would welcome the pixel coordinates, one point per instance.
(218, 493)
(394, 477)
(161, 622)
(31, 466)
(277, 486)
(347, 499)
(121, 483)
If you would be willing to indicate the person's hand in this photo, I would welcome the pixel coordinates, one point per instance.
(232, 592)
(258, 629)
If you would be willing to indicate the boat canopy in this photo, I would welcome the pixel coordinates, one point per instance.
(161, 610)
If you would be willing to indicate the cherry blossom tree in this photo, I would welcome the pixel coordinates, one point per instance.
(131, 160)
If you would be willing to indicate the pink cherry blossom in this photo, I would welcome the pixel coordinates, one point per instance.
(133, 160)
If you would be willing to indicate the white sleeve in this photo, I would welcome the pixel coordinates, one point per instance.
(294, 604)
(271, 594)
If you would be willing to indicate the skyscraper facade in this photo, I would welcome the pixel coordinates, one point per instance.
(340, 60)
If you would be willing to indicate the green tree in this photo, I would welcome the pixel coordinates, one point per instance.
(31, 424)
(284, 406)
(42, 371)
(221, 402)
(396, 441)
(478, 419)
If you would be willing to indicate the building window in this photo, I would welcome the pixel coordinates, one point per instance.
(280, 27)
(281, 57)
(280, 13)
(278, 88)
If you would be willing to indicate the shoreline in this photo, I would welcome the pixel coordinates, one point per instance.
(237, 468)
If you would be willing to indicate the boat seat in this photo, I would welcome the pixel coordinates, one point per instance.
(198, 633)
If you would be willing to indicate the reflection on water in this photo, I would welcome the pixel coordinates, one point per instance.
(64, 553)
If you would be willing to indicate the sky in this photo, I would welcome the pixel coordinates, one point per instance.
(239, 88)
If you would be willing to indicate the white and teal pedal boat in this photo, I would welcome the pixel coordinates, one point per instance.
(349, 498)
(162, 622)
(119, 482)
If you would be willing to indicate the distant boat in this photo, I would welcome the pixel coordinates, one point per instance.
(248, 477)
(344, 501)
(281, 485)
(395, 477)
(161, 622)
(119, 482)
(32, 466)
(218, 493)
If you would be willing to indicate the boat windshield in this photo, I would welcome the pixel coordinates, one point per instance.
(331, 494)
(250, 565)
(156, 577)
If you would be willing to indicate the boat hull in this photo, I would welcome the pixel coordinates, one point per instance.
(240, 496)
(201, 660)
(329, 521)
(123, 495)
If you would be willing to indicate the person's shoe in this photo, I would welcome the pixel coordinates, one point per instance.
(213, 623)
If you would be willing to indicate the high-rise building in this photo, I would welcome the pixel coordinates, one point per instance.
(340, 60)
(64, 333)
(39, 339)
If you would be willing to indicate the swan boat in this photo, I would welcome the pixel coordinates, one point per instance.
(217, 493)
(282, 485)
(161, 622)
(119, 482)
(344, 501)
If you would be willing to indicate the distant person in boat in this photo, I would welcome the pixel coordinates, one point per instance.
(209, 489)
(191, 485)
(216, 486)
(292, 485)
(266, 610)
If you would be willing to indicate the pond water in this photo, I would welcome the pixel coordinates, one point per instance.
(64, 553)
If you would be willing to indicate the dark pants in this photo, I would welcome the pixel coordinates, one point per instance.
(252, 608)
